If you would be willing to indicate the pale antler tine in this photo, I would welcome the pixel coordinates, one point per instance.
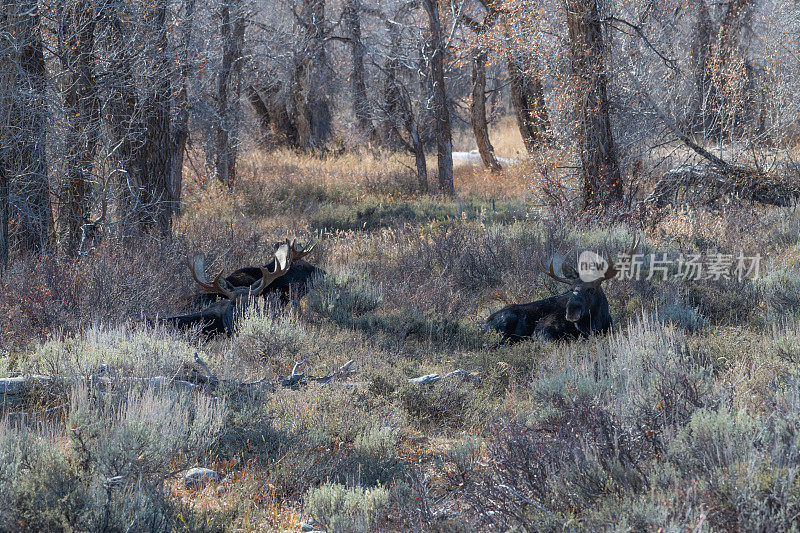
(214, 287)
(555, 276)
(283, 260)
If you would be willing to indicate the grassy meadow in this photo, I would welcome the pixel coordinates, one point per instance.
(686, 417)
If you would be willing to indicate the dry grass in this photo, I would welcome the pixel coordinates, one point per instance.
(410, 277)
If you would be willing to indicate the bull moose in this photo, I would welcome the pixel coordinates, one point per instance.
(221, 316)
(292, 286)
(580, 312)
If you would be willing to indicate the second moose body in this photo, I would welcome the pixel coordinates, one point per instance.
(292, 286)
(580, 312)
(221, 316)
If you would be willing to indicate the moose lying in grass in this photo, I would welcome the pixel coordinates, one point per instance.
(221, 316)
(292, 286)
(582, 311)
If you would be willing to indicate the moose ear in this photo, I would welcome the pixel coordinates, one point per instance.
(569, 272)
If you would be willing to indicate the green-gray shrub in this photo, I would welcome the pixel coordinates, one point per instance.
(343, 296)
(683, 316)
(341, 510)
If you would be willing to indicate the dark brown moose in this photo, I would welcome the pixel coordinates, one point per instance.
(221, 316)
(292, 286)
(580, 312)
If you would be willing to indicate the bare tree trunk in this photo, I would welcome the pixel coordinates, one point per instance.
(733, 73)
(701, 54)
(310, 110)
(441, 110)
(124, 123)
(352, 20)
(36, 228)
(301, 104)
(229, 82)
(180, 126)
(477, 110)
(273, 118)
(83, 117)
(5, 214)
(527, 99)
(418, 147)
(391, 97)
(262, 114)
(321, 118)
(598, 153)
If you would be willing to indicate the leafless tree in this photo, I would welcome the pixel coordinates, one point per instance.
(361, 110)
(440, 105)
(598, 153)
(229, 88)
(77, 25)
(479, 56)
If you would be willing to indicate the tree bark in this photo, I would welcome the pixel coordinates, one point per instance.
(352, 20)
(478, 111)
(310, 110)
(418, 148)
(600, 171)
(441, 109)
(527, 99)
(5, 214)
(82, 115)
(391, 97)
(180, 126)
(733, 71)
(274, 120)
(232, 28)
(262, 114)
(700, 118)
(301, 104)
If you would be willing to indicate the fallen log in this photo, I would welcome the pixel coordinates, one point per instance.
(429, 380)
(17, 391)
(707, 183)
(697, 185)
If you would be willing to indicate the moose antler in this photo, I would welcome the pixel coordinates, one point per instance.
(283, 260)
(296, 253)
(556, 277)
(612, 270)
(218, 286)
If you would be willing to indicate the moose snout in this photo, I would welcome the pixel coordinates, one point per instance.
(574, 313)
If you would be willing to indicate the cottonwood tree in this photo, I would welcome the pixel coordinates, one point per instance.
(506, 32)
(440, 107)
(351, 17)
(600, 171)
(229, 88)
(398, 106)
(479, 56)
(309, 104)
(77, 23)
(147, 105)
